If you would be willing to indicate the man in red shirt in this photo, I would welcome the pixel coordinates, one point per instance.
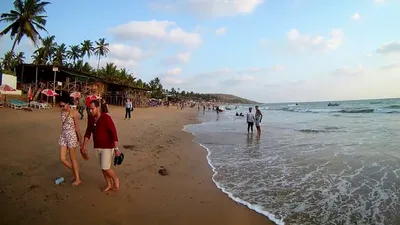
(105, 141)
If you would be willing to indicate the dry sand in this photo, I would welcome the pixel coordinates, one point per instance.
(29, 165)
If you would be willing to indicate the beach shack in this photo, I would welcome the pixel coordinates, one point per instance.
(65, 80)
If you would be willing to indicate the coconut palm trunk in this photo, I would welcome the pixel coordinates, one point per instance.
(98, 65)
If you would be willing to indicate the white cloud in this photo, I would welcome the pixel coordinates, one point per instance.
(178, 58)
(389, 48)
(174, 72)
(391, 66)
(220, 79)
(124, 56)
(303, 42)
(238, 80)
(379, 1)
(356, 16)
(153, 30)
(348, 71)
(220, 31)
(208, 8)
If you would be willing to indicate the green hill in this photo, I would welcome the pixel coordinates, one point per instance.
(226, 98)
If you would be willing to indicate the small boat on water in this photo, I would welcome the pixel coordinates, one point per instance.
(228, 108)
(333, 104)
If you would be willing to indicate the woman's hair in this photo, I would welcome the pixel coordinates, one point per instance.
(66, 100)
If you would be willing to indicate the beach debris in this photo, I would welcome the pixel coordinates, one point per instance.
(18, 174)
(129, 147)
(162, 171)
(33, 186)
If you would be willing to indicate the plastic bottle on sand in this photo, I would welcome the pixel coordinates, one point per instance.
(59, 180)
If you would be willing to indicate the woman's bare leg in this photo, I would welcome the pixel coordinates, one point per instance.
(75, 166)
(63, 157)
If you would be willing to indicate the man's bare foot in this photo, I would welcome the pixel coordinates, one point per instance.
(109, 187)
(76, 183)
(116, 184)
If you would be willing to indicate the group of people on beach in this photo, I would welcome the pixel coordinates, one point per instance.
(105, 140)
(83, 104)
(254, 119)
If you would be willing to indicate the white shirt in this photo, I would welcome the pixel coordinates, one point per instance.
(250, 117)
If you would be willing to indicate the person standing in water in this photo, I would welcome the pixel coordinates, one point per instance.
(128, 109)
(70, 139)
(258, 120)
(250, 120)
(105, 141)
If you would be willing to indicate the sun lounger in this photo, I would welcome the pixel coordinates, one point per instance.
(33, 104)
(17, 104)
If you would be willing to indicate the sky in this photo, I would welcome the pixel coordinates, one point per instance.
(263, 50)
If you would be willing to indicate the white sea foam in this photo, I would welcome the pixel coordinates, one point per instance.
(336, 170)
(257, 208)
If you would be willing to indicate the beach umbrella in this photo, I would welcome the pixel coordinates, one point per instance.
(6, 88)
(49, 93)
(75, 94)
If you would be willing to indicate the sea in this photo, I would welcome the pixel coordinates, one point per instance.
(312, 164)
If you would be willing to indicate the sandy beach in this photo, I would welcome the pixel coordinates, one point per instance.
(29, 165)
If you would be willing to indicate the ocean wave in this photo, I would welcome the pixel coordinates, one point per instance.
(392, 109)
(357, 110)
(256, 208)
(321, 130)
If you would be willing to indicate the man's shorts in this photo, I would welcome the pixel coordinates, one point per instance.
(105, 156)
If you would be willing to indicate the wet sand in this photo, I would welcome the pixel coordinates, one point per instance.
(153, 137)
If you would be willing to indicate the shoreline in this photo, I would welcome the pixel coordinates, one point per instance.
(186, 196)
(256, 208)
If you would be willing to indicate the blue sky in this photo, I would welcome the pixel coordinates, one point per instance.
(265, 50)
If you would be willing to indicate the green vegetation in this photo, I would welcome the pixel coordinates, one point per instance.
(27, 18)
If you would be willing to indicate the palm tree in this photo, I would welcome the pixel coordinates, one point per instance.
(37, 57)
(101, 50)
(87, 48)
(74, 53)
(19, 58)
(26, 18)
(86, 68)
(60, 55)
(7, 62)
(49, 46)
(110, 72)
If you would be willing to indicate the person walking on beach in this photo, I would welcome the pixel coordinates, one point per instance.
(105, 141)
(104, 106)
(81, 106)
(250, 120)
(70, 139)
(128, 109)
(258, 120)
(88, 106)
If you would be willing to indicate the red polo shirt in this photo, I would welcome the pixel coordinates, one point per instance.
(104, 131)
(88, 102)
